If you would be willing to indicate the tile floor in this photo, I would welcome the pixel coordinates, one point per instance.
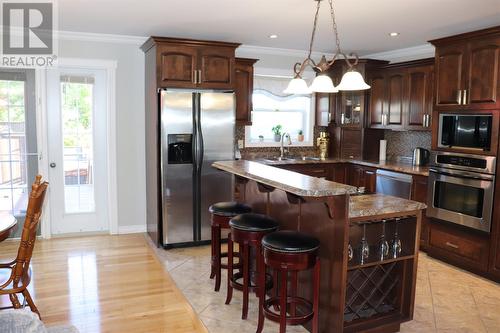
(447, 299)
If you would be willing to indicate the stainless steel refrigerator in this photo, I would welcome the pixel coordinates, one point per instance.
(197, 128)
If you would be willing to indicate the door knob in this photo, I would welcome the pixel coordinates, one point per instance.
(52, 165)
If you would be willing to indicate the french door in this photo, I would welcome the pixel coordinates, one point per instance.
(18, 141)
(76, 100)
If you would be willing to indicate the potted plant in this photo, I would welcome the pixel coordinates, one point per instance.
(277, 132)
(261, 138)
(300, 136)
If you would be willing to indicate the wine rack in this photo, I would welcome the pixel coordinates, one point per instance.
(372, 291)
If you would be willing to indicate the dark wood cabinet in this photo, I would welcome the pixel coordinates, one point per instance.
(396, 82)
(186, 63)
(468, 70)
(419, 193)
(459, 246)
(401, 96)
(362, 176)
(243, 90)
(216, 67)
(351, 143)
(177, 66)
(449, 77)
(377, 99)
(420, 100)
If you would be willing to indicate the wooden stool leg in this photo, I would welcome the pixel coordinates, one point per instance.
(32, 305)
(317, 276)
(293, 291)
(212, 263)
(230, 259)
(283, 297)
(261, 289)
(275, 291)
(246, 280)
(217, 258)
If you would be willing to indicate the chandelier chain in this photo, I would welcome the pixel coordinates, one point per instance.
(314, 29)
(334, 23)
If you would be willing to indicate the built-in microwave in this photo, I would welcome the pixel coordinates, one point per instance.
(465, 131)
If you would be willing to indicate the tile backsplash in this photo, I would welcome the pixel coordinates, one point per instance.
(402, 144)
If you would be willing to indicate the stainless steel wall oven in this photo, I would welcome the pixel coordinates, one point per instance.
(461, 189)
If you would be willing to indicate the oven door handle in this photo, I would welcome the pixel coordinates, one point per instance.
(466, 175)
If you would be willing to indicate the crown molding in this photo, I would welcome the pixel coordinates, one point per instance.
(254, 49)
(106, 38)
(409, 53)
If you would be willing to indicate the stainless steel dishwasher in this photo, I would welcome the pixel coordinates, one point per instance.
(394, 183)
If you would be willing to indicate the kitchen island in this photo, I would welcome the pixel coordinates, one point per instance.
(370, 293)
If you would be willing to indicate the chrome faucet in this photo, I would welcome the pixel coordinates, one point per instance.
(282, 149)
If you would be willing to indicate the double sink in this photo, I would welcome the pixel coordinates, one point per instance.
(291, 158)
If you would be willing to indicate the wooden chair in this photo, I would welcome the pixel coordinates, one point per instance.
(20, 272)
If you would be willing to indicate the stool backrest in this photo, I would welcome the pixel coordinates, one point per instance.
(28, 236)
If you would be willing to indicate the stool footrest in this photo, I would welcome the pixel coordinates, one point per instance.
(274, 302)
(252, 287)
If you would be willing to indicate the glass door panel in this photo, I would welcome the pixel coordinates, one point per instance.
(76, 111)
(18, 155)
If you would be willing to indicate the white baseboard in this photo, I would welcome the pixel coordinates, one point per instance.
(131, 229)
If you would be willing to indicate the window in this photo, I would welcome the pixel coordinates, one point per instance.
(272, 108)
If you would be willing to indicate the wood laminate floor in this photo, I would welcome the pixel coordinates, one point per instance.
(105, 284)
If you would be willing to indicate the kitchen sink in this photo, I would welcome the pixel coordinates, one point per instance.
(294, 158)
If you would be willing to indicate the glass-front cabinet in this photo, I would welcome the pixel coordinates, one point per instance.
(351, 108)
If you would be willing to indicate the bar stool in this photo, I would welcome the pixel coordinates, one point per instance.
(222, 212)
(247, 231)
(289, 252)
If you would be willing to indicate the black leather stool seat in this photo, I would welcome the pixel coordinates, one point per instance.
(229, 209)
(290, 242)
(253, 222)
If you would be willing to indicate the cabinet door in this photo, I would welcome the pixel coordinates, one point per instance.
(449, 75)
(351, 143)
(322, 109)
(370, 179)
(419, 193)
(216, 65)
(243, 90)
(483, 70)
(395, 91)
(177, 66)
(419, 99)
(355, 176)
(377, 98)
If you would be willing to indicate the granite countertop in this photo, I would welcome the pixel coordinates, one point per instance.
(398, 166)
(289, 181)
(367, 205)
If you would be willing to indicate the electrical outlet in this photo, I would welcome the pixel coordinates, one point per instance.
(241, 144)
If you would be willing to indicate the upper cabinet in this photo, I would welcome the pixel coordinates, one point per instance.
(401, 96)
(185, 63)
(468, 70)
(244, 90)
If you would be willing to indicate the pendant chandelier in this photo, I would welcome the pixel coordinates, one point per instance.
(351, 80)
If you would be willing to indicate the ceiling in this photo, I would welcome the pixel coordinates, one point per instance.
(363, 24)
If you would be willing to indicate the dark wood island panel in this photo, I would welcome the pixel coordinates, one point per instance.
(376, 296)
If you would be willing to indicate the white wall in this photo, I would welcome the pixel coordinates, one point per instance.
(129, 122)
